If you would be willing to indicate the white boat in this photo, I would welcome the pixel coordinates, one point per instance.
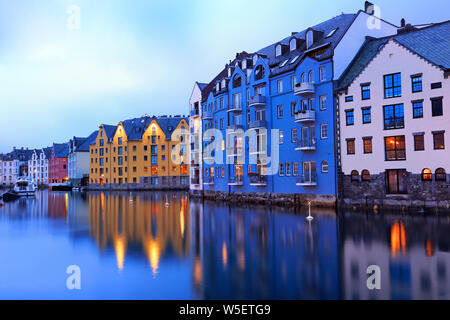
(25, 187)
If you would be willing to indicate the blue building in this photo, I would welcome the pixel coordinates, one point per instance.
(272, 114)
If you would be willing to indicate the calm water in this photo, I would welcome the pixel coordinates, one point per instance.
(133, 246)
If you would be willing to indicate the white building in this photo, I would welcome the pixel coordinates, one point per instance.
(38, 166)
(196, 134)
(14, 165)
(78, 159)
(393, 123)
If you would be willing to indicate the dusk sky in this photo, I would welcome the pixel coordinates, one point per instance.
(130, 58)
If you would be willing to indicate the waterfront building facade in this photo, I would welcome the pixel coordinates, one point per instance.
(38, 166)
(58, 168)
(141, 153)
(78, 159)
(393, 120)
(271, 113)
(196, 134)
(15, 165)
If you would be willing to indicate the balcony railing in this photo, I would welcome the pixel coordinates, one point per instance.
(194, 112)
(236, 181)
(307, 179)
(257, 124)
(257, 101)
(305, 145)
(208, 180)
(305, 116)
(235, 151)
(235, 126)
(304, 89)
(258, 180)
(235, 108)
(207, 115)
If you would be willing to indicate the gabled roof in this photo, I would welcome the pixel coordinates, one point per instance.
(61, 150)
(431, 43)
(327, 36)
(109, 130)
(135, 128)
(169, 124)
(89, 140)
(48, 152)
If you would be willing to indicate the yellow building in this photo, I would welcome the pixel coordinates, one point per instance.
(141, 153)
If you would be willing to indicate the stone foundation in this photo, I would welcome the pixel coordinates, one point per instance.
(271, 199)
(373, 195)
(164, 183)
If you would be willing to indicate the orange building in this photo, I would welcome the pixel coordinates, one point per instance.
(141, 153)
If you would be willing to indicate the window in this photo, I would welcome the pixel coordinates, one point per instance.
(395, 148)
(355, 176)
(349, 99)
(323, 131)
(322, 73)
(438, 140)
(311, 76)
(365, 175)
(367, 145)
(349, 117)
(436, 107)
(295, 168)
(440, 175)
(288, 169)
(324, 167)
(417, 109)
(350, 146)
(366, 115)
(293, 44)
(303, 77)
(120, 141)
(281, 170)
(416, 83)
(323, 102)
(237, 81)
(294, 134)
(293, 107)
(281, 137)
(397, 182)
(280, 86)
(309, 39)
(365, 92)
(394, 117)
(436, 85)
(280, 111)
(259, 72)
(278, 50)
(293, 82)
(427, 175)
(419, 142)
(392, 85)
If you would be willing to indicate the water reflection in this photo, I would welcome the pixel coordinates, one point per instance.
(163, 245)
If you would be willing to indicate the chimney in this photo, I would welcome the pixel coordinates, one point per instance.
(403, 23)
(368, 7)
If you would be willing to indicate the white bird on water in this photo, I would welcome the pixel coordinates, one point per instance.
(309, 217)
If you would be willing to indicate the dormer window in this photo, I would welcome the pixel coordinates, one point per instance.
(218, 86)
(224, 84)
(244, 64)
(293, 44)
(278, 50)
(309, 39)
(237, 81)
(259, 72)
(255, 59)
(229, 72)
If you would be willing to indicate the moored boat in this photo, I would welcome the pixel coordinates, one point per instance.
(10, 196)
(25, 187)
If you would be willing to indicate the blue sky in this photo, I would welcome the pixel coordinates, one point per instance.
(135, 57)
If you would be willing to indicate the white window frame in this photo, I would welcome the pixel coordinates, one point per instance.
(280, 85)
(293, 44)
(322, 127)
(278, 50)
(322, 73)
(323, 102)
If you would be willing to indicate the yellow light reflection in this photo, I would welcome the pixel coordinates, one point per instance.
(398, 238)
(197, 271)
(153, 252)
(224, 254)
(119, 246)
(182, 222)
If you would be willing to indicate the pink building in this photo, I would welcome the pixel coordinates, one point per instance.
(57, 166)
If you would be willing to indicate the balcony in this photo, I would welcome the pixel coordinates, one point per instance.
(235, 181)
(305, 116)
(235, 151)
(307, 179)
(305, 145)
(207, 115)
(258, 180)
(304, 89)
(208, 180)
(235, 108)
(257, 124)
(195, 112)
(235, 127)
(257, 101)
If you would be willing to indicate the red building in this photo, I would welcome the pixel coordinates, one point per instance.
(58, 171)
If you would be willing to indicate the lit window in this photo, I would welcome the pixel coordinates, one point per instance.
(438, 140)
(427, 175)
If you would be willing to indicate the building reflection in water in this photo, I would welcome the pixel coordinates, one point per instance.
(412, 253)
(140, 220)
(258, 254)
